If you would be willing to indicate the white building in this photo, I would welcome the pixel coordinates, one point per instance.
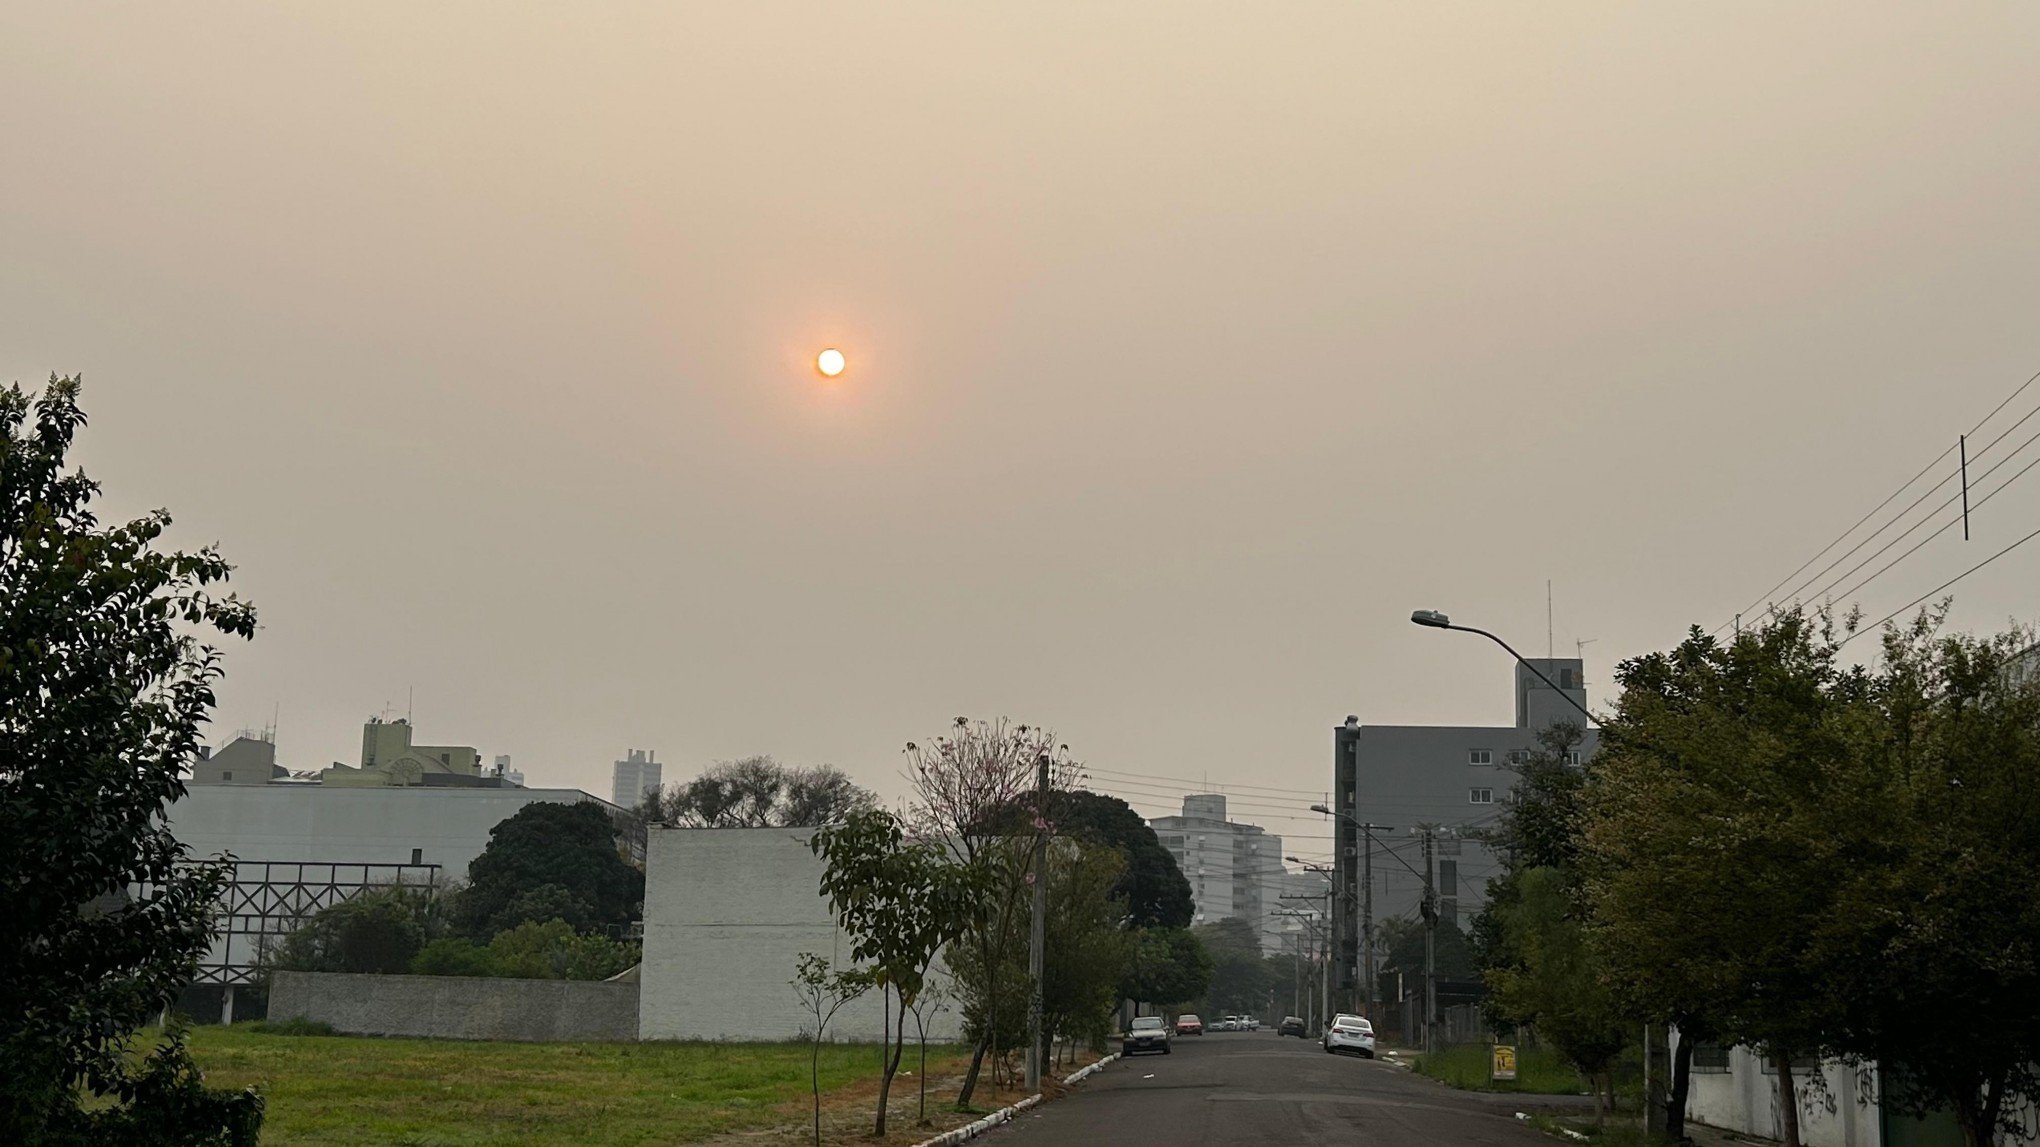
(637, 774)
(728, 913)
(1234, 869)
(395, 824)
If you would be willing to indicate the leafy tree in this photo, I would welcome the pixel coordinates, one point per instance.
(823, 991)
(966, 784)
(551, 859)
(900, 901)
(759, 792)
(453, 956)
(1167, 966)
(1453, 956)
(1086, 954)
(1935, 935)
(103, 689)
(1556, 984)
(1151, 885)
(381, 930)
(554, 951)
(1722, 821)
(1239, 976)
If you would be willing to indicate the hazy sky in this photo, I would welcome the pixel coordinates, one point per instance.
(1191, 347)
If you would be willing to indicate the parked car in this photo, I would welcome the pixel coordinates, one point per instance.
(1250, 1023)
(1290, 1025)
(1350, 1033)
(1145, 1033)
(1187, 1024)
(1229, 1024)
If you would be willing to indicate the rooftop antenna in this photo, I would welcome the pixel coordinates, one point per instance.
(410, 695)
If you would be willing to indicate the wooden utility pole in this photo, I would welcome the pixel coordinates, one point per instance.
(1037, 943)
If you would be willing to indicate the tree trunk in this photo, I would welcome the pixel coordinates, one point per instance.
(890, 1058)
(815, 1083)
(1788, 1098)
(921, 1030)
(970, 1078)
(1682, 1079)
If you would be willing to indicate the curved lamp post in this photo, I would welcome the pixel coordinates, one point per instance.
(1432, 619)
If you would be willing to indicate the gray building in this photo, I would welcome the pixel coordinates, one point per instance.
(1455, 779)
(1234, 869)
(636, 775)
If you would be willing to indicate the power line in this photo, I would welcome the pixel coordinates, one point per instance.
(1760, 598)
(1275, 789)
(1937, 589)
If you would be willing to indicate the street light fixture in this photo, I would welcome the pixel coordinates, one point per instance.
(1433, 619)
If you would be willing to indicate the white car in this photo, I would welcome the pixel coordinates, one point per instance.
(1350, 1033)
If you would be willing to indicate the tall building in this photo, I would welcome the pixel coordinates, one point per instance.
(502, 769)
(1234, 869)
(636, 775)
(1447, 782)
(389, 758)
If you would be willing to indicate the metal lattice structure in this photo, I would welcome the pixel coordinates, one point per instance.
(269, 899)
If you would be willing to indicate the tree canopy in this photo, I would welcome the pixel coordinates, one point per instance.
(104, 686)
(1150, 885)
(551, 860)
(759, 792)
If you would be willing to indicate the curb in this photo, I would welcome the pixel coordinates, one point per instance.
(1005, 1114)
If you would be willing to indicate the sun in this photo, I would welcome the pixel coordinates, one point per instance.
(830, 362)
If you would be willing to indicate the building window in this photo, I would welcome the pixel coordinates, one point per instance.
(1573, 758)
(227, 776)
(1480, 756)
(1448, 878)
(1480, 796)
(417, 856)
(1802, 1066)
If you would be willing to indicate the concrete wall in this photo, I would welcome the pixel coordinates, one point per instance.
(727, 913)
(1838, 1110)
(459, 1007)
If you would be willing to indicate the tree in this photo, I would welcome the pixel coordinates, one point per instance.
(551, 860)
(759, 792)
(966, 784)
(900, 901)
(1935, 933)
(1727, 808)
(104, 686)
(1404, 940)
(823, 991)
(1167, 966)
(1556, 985)
(380, 930)
(1239, 977)
(1151, 885)
(1086, 951)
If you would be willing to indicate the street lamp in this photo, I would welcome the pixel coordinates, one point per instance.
(1432, 619)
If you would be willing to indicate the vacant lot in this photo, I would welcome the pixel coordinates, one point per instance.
(1466, 1066)
(429, 1093)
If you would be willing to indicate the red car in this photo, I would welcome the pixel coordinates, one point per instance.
(1189, 1025)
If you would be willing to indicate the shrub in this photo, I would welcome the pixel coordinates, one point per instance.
(377, 931)
(453, 956)
(551, 951)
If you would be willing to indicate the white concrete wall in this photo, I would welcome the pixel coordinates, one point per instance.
(1842, 1114)
(378, 825)
(728, 912)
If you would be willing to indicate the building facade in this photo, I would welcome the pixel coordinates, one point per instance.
(728, 914)
(1407, 790)
(1234, 869)
(636, 775)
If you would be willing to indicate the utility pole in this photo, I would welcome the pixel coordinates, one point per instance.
(1367, 832)
(1430, 945)
(1038, 939)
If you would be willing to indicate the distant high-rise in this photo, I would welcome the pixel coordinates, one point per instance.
(1234, 869)
(502, 769)
(635, 776)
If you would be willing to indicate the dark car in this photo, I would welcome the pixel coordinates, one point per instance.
(1291, 1025)
(1145, 1033)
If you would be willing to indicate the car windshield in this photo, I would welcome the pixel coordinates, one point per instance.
(1188, 1020)
(1147, 1023)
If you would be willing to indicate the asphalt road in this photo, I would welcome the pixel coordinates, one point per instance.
(1259, 1088)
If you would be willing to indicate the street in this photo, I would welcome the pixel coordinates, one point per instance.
(1256, 1087)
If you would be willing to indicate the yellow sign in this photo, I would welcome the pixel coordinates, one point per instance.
(1505, 1062)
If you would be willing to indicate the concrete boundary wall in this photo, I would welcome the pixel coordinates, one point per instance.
(459, 1007)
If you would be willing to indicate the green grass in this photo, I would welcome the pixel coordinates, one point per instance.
(441, 1093)
(1538, 1070)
